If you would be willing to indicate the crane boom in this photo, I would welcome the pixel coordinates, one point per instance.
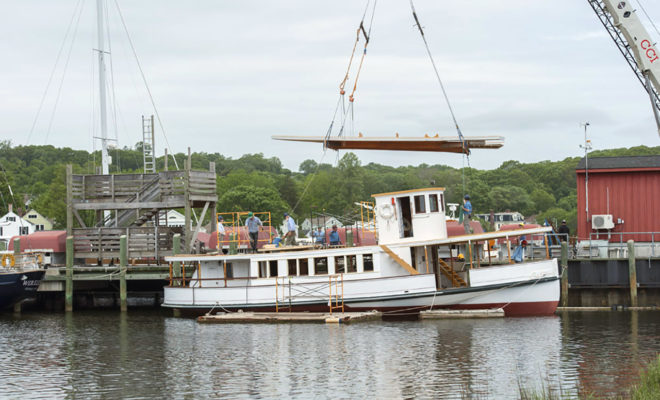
(631, 37)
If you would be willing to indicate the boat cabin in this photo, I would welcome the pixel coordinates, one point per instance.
(410, 215)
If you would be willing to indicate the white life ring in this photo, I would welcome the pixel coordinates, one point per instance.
(386, 211)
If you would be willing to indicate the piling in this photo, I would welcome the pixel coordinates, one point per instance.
(349, 238)
(233, 243)
(176, 266)
(17, 246)
(632, 273)
(68, 292)
(564, 274)
(123, 265)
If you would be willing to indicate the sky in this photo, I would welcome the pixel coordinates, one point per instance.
(226, 76)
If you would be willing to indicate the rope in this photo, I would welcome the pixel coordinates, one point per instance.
(144, 79)
(52, 72)
(647, 16)
(66, 64)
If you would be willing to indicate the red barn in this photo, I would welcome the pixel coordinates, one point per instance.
(624, 197)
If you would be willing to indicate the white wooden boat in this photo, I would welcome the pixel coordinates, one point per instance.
(413, 267)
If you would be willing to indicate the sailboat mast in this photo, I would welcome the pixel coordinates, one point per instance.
(104, 124)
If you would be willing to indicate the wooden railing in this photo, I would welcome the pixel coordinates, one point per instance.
(153, 242)
(125, 187)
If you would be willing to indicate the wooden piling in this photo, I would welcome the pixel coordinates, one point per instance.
(123, 265)
(176, 269)
(564, 274)
(68, 292)
(632, 273)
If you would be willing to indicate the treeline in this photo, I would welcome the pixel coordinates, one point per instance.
(546, 189)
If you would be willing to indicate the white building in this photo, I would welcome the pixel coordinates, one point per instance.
(13, 225)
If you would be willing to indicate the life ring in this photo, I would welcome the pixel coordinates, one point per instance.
(386, 211)
(8, 260)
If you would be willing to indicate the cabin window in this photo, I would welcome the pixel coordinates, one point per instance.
(293, 267)
(273, 267)
(303, 267)
(263, 269)
(230, 271)
(420, 204)
(351, 264)
(433, 203)
(340, 264)
(368, 261)
(321, 266)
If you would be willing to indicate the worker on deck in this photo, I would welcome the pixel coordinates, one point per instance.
(467, 213)
(563, 231)
(319, 237)
(253, 223)
(290, 236)
(334, 236)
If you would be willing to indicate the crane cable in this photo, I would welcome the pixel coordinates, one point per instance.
(466, 150)
(366, 33)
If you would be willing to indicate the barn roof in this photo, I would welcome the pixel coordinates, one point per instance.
(621, 162)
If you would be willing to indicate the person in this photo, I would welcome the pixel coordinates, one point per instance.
(290, 236)
(467, 213)
(320, 236)
(221, 232)
(253, 223)
(563, 231)
(334, 236)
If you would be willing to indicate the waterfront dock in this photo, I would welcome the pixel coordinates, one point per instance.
(290, 317)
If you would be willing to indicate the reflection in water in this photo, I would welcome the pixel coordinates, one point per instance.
(149, 354)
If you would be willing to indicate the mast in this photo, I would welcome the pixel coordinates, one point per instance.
(105, 159)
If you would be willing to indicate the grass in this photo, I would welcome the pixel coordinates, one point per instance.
(649, 383)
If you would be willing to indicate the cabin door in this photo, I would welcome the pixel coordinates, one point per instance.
(405, 222)
(433, 260)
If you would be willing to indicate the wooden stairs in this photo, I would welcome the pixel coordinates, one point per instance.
(448, 271)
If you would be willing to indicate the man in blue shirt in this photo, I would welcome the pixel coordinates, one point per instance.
(334, 236)
(467, 213)
(290, 237)
(320, 237)
(253, 223)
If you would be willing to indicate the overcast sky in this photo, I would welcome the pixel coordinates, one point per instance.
(226, 76)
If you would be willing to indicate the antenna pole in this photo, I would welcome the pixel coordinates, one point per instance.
(586, 147)
(105, 159)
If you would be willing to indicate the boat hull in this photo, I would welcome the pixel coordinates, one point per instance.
(17, 286)
(523, 298)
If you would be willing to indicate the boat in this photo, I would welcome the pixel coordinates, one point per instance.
(20, 276)
(414, 266)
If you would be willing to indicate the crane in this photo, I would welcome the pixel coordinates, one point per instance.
(631, 37)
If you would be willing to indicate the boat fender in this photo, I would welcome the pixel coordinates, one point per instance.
(386, 211)
(8, 260)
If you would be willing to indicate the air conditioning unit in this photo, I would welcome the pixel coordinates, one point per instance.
(602, 221)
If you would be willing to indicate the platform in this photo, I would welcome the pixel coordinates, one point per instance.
(454, 314)
(290, 317)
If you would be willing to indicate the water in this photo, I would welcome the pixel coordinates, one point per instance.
(147, 354)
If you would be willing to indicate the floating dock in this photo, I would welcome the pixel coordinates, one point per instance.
(297, 317)
(455, 314)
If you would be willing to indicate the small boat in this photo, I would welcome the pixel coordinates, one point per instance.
(414, 266)
(20, 277)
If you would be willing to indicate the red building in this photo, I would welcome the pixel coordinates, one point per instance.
(624, 197)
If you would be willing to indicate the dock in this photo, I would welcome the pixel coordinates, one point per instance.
(460, 314)
(289, 317)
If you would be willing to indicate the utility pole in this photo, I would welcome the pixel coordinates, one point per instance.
(586, 147)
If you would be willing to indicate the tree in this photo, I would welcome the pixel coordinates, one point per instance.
(542, 200)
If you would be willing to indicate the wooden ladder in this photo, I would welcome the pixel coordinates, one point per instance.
(456, 280)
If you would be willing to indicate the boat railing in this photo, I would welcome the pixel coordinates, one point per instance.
(234, 221)
(615, 245)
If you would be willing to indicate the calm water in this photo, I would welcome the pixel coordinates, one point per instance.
(147, 354)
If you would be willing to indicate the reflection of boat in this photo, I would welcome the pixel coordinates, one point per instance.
(20, 277)
(410, 268)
